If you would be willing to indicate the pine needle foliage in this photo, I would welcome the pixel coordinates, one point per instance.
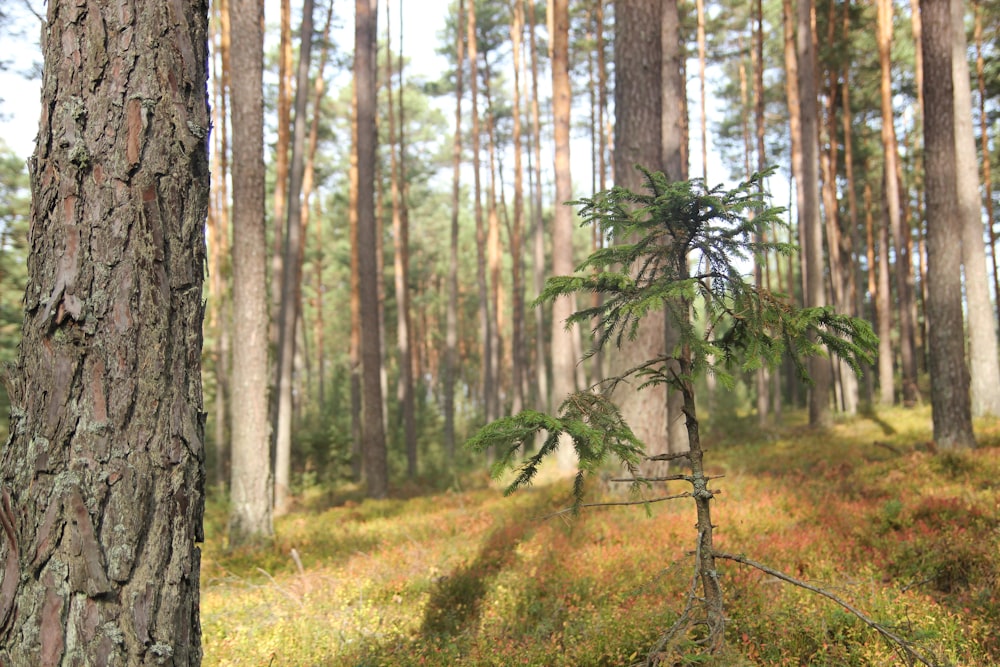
(654, 237)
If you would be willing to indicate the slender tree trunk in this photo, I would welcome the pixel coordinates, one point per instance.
(538, 263)
(703, 116)
(372, 430)
(809, 215)
(354, 352)
(485, 325)
(794, 116)
(984, 366)
(950, 403)
(984, 138)
(563, 361)
(517, 232)
(250, 516)
(839, 249)
(319, 91)
(673, 161)
(451, 318)
(219, 245)
(282, 148)
(757, 68)
(102, 490)
(400, 234)
(899, 229)
(291, 275)
(494, 299)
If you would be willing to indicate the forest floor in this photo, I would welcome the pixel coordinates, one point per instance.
(470, 577)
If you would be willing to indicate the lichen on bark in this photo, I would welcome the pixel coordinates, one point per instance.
(102, 477)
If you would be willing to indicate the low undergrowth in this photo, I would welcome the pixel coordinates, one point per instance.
(867, 510)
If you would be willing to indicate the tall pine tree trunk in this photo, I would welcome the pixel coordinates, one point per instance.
(450, 370)
(373, 446)
(563, 361)
(250, 516)
(517, 231)
(810, 228)
(984, 366)
(673, 161)
(538, 249)
(639, 99)
(218, 232)
(400, 236)
(950, 403)
(485, 325)
(102, 489)
(984, 138)
(291, 272)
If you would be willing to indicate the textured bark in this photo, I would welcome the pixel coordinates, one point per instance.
(102, 479)
(950, 403)
(639, 141)
(250, 516)
(563, 361)
(372, 427)
(984, 366)
(450, 370)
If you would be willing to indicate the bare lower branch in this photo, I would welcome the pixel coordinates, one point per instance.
(907, 647)
(32, 10)
(669, 457)
(686, 494)
(668, 478)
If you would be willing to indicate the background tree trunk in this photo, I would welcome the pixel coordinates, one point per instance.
(673, 152)
(563, 361)
(950, 404)
(451, 359)
(372, 428)
(250, 516)
(291, 271)
(984, 366)
(639, 99)
(102, 489)
(810, 228)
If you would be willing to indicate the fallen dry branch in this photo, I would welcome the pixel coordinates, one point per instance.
(909, 650)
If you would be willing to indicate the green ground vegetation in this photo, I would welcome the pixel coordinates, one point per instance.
(466, 576)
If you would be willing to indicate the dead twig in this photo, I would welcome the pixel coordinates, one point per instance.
(907, 647)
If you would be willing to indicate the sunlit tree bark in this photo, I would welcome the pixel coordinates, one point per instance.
(102, 490)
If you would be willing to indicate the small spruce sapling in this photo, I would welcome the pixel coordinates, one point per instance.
(654, 237)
